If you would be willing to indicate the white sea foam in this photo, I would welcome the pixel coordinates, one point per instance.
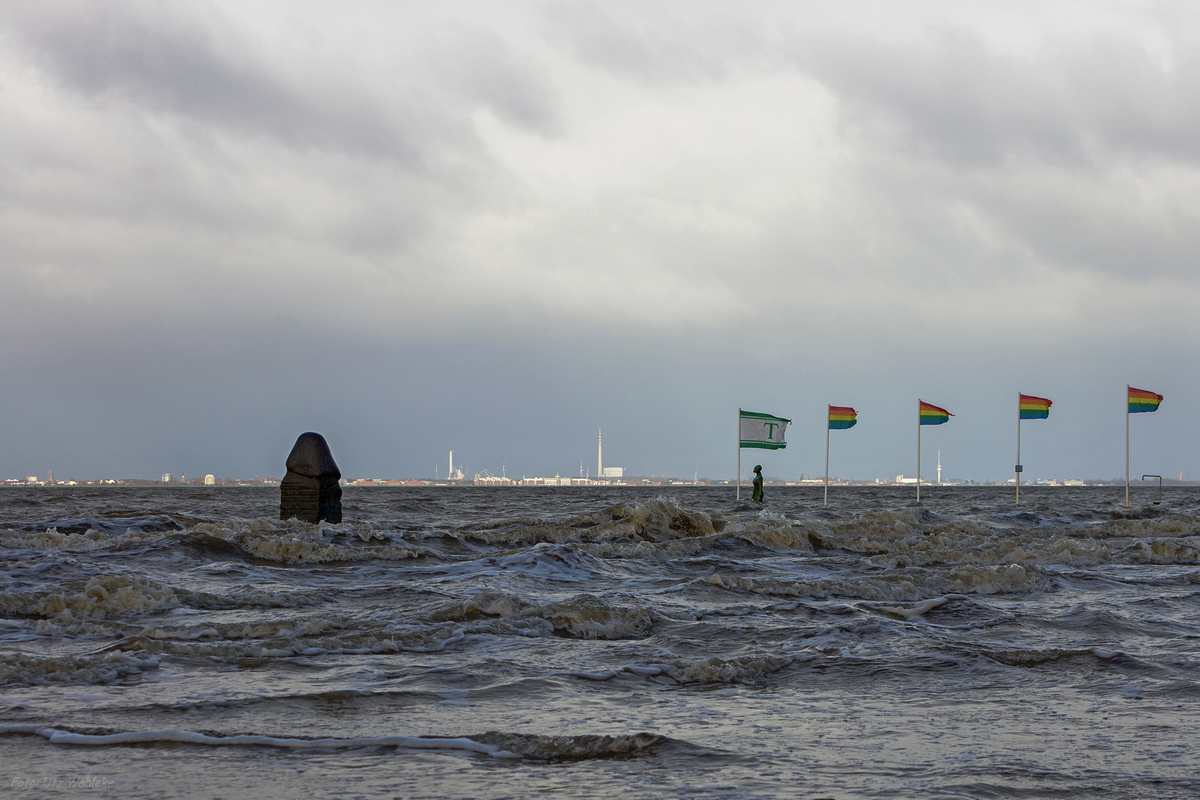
(916, 610)
(585, 616)
(30, 669)
(737, 669)
(101, 597)
(175, 735)
(905, 584)
(293, 542)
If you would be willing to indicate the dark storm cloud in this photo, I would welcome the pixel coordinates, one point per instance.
(498, 226)
(1077, 154)
(173, 63)
(197, 66)
(206, 148)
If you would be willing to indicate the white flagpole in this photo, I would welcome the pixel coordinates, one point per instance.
(827, 458)
(918, 450)
(1018, 448)
(739, 470)
(1127, 445)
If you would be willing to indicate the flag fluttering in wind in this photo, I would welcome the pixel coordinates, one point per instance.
(1034, 407)
(1141, 401)
(842, 417)
(1028, 407)
(933, 415)
(761, 431)
(927, 414)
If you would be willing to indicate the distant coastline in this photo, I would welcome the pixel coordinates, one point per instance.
(560, 482)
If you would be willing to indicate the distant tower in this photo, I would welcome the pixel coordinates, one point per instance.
(50, 477)
(939, 466)
(450, 474)
(599, 452)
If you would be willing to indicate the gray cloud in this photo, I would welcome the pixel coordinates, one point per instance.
(1076, 155)
(195, 63)
(656, 45)
(955, 95)
(166, 62)
(523, 221)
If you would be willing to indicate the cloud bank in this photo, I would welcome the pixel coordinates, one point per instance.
(498, 227)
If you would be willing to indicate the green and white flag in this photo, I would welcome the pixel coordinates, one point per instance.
(761, 431)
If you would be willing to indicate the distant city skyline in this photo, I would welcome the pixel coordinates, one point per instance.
(569, 480)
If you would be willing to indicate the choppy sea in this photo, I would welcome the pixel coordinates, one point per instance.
(608, 643)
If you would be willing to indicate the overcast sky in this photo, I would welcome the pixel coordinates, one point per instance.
(497, 227)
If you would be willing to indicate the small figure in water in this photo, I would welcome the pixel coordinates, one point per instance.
(757, 496)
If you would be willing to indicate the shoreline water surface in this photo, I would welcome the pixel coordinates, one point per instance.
(593, 642)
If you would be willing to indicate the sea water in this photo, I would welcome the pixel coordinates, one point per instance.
(601, 643)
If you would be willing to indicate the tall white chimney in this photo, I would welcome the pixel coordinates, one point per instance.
(599, 453)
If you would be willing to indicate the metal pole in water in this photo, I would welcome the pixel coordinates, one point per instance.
(1018, 448)
(918, 450)
(827, 459)
(738, 496)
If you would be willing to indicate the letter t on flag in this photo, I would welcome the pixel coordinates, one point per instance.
(761, 431)
(758, 431)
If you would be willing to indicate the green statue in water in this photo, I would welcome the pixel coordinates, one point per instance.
(758, 495)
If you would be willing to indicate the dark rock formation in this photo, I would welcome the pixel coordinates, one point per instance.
(310, 490)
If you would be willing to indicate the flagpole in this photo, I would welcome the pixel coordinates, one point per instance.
(1018, 448)
(739, 471)
(918, 449)
(1127, 445)
(827, 458)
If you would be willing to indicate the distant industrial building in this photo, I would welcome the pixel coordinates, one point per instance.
(601, 470)
(455, 474)
(210, 480)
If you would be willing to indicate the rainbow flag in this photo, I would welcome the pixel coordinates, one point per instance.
(932, 415)
(1034, 407)
(1140, 400)
(842, 417)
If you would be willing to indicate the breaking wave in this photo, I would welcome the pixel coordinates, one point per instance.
(494, 744)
